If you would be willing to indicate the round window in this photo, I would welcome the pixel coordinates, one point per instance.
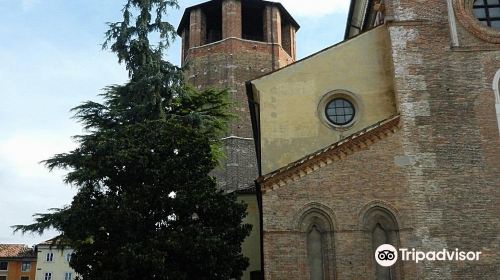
(340, 111)
(488, 12)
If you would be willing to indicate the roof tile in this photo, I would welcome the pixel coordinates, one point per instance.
(16, 251)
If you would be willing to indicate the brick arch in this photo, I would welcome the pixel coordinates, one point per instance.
(382, 205)
(315, 209)
(321, 216)
(496, 91)
(379, 214)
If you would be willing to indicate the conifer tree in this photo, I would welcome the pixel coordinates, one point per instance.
(146, 205)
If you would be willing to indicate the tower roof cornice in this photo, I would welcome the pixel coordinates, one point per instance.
(185, 17)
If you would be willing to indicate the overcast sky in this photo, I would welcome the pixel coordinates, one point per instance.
(51, 60)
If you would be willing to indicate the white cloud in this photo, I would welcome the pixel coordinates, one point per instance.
(26, 186)
(315, 8)
(22, 152)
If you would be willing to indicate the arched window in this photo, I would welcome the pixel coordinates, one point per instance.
(315, 253)
(496, 90)
(380, 236)
(381, 228)
(317, 237)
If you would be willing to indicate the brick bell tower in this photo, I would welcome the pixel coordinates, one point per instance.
(224, 44)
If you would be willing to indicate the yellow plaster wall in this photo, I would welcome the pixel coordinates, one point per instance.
(290, 123)
(251, 245)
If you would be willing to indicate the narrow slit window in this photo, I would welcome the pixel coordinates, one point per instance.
(315, 253)
(379, 237)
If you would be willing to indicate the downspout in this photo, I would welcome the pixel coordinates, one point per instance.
(453, 24)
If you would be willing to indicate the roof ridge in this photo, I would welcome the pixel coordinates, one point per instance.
(51, 241)
(337, 150)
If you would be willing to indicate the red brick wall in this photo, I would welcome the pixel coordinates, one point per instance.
(272, 25)
(197, 28)
(231, 18)
(228, 64)
(373, 176)
(440, 174)
(449, 126)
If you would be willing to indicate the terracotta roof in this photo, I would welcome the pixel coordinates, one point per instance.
(16, 251)
(49, 242)
(336, 151)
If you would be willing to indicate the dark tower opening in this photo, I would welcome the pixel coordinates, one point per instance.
(213, 15)
(252, 17)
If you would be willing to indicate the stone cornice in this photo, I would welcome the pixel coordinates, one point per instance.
(337, 151)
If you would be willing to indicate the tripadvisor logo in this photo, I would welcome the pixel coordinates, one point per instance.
(387, 255)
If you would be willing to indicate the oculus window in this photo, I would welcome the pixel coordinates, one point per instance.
(340, 111)
(488, 12)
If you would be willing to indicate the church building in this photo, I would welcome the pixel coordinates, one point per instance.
(388, 137)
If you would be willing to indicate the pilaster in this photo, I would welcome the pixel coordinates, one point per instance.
(231, 19)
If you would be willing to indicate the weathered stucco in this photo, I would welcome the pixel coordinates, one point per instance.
(251, 245)
(59, 264)
(288, 132)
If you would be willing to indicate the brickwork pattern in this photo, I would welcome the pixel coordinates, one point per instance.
(272, 24)
(449, 130)
(347, 189)
(439, 175)
(228, 64)
(197, 28)
(231, 19)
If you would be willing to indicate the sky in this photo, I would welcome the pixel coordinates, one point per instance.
(51, 60)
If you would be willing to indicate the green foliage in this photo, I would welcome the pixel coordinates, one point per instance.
(146, 206)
